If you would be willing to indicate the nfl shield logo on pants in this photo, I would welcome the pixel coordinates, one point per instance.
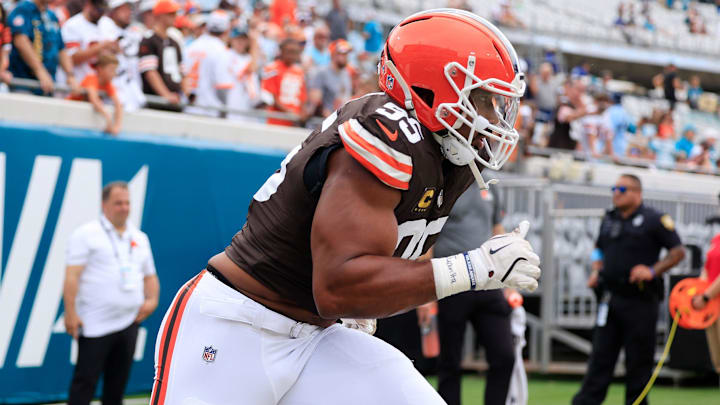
(209, 354)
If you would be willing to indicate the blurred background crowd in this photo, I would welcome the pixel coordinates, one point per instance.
(293, 62)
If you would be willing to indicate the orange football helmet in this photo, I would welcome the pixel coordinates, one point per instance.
(435, 63)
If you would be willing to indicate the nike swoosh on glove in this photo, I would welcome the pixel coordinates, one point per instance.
(506, 260)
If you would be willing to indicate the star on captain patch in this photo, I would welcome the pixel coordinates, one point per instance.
(667, 222)
(209, 354)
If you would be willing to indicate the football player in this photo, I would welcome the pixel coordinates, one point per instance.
(336, 231)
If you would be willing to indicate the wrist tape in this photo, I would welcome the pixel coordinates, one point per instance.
(453, 274)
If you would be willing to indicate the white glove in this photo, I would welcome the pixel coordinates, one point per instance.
(363, 325)
(505, 260)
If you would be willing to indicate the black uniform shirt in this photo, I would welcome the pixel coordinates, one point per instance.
(637, 239)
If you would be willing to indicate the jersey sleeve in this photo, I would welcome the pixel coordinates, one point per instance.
(148, 56)
(222, 71)
(269, 84)
(72, 36)
(664, 230)
(376, 145)
(20, 22)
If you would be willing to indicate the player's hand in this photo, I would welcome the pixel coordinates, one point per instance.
(72, 324)
(506, 260)
(640, 273)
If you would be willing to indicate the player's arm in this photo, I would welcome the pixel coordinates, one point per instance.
(353, 238)
(70, 288)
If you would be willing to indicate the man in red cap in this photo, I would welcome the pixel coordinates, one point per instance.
(161, 58)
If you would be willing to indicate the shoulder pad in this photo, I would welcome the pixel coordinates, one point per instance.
(379, 152)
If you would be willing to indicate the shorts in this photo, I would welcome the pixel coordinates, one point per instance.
(218, 347)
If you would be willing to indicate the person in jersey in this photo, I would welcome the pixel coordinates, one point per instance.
(83, 39)
(331, 239)
(283, 87)
(161, 60)
(210, 70)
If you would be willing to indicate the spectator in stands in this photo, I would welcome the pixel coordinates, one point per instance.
(244, 54)
(373, 33)
(685, 144)
(620, 121)
(694, 91)
(544, 87)
(671, 83)
(110, 287)
(283, 83)
(658, 90)
(145, 20)
(663, 145)
(5, 39)
(282, 12)
(331, 86)
(572, 107)
(337, 19)
(31, 22)
(101, 80)
(116, 27)
(580, 71)
(704, 155)
(213, 69)
(83, 39)
(317, 54)
(595, 129)
(504, 15)
(161, 59)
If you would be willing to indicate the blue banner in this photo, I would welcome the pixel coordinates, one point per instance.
(190, 197)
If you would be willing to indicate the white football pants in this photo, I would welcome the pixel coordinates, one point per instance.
(218, 347)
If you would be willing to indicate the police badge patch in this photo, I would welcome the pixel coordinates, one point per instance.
(667, 222)
(209, 354)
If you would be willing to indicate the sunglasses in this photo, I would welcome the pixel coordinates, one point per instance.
(621, 189)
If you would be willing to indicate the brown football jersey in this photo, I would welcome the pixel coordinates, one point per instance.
(274, 244)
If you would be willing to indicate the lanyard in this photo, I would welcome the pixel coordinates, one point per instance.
(114, 247)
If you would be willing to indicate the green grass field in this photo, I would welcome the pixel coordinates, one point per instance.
(559, 392)
(545, 391)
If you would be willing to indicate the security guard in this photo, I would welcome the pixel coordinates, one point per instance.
(626, 276)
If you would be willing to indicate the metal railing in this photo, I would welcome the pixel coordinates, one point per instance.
(566, 220)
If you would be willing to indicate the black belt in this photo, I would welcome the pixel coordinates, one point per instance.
(212, 270)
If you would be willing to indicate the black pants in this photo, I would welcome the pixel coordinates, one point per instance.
(110, 355)
(489, 313)
(631, 324)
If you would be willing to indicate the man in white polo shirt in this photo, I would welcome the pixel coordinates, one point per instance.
(110, 287)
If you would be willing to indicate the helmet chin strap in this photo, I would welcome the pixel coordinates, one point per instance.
(480, 181)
